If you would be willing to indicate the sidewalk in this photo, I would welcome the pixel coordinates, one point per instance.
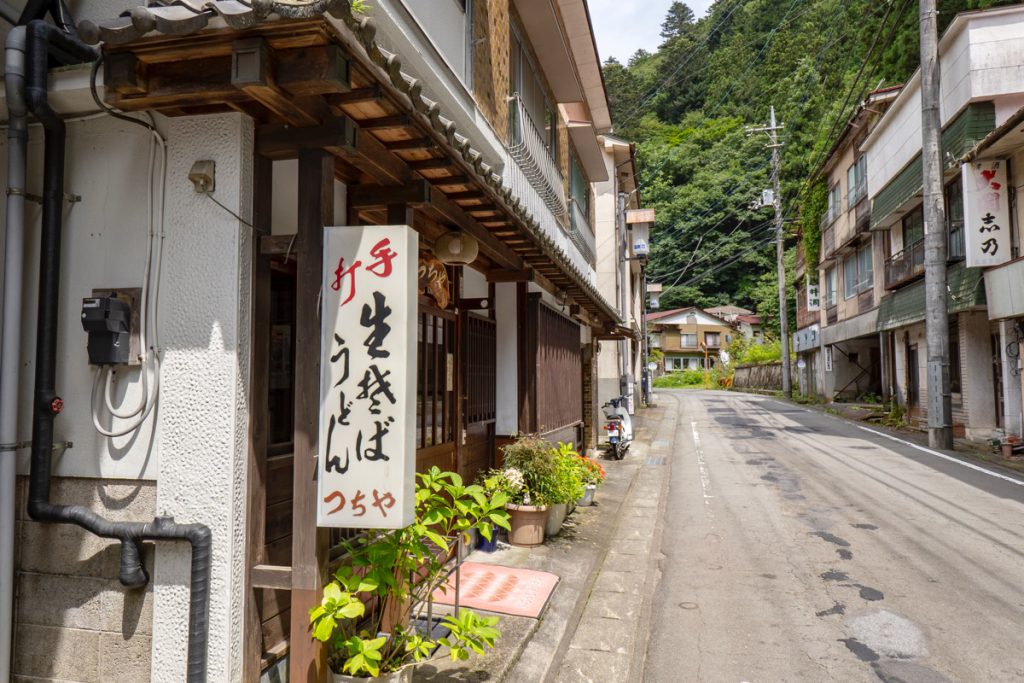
(604, 558)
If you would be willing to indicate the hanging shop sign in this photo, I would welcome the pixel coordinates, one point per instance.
(368, 377)
(433, 280)
(986, 213)
(813, 296)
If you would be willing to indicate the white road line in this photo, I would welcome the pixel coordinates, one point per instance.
(929, 451)
(705, 477)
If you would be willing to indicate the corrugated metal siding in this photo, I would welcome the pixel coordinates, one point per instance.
(906, 306)
(963, 133)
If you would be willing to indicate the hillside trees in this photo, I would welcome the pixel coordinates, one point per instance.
(687, 103)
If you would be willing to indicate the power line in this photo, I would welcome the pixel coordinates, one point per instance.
(651, 94)
(853, 86)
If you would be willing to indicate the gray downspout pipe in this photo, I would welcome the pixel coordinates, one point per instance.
(46, 404)
(10, 347)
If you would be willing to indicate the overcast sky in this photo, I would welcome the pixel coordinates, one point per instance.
(624, 26)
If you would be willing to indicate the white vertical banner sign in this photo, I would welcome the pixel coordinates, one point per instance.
(367, 460)
(986, 213)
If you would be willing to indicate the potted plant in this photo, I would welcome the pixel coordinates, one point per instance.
(567, 486)
(528, 478)
(593, 475)
(363, 617)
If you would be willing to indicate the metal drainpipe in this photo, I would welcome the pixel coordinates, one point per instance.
(47, 405)
(10, 347)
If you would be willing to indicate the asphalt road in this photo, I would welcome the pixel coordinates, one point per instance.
(801, 547)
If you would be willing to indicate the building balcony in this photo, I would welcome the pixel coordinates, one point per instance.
(533, 156)
(862, 215)
(581, 234)
(905, 266)
(828, 241)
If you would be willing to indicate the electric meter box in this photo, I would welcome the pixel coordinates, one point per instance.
(108, 322)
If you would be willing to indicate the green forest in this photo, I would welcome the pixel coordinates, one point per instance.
(688, 105)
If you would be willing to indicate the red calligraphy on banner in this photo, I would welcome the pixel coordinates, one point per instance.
(384, 254)
(341, 273)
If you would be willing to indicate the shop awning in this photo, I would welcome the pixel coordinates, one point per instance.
(906, 306)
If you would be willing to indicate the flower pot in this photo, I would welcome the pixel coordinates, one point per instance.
(556, 516)
(527, 522)
(403, 675)
(588, 496)
(488, 546)
(1007, 450)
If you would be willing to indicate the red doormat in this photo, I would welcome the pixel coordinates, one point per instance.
(519, 592)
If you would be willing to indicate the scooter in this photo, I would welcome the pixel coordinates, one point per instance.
(619, 427)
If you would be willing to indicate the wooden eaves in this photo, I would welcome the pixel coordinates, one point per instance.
(324, 83)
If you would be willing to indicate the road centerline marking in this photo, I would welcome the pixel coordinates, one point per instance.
(702, 465)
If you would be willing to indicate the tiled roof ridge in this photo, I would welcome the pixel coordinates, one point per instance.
(190, 16)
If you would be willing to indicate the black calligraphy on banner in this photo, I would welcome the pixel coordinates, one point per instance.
(363, 431)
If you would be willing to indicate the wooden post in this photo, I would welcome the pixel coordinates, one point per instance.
(309, 544)
(259, 364)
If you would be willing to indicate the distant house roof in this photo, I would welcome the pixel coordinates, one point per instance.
(663, 314)
(749, 319)
(676, 316)
(728, 310)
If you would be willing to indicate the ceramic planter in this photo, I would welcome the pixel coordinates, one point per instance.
(527, 522)
(556, 516)
(400, 676)
(588, 496)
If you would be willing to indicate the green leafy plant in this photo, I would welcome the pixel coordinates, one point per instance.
(363, 610)
(568, 484)
(535, 459)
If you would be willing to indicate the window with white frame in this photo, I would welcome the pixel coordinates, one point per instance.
(830, 287)
(688, 341)
(856, 181)
(835, 203)
(712, 338)
(858, 272)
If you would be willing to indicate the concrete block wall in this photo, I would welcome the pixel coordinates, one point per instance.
(74, 621)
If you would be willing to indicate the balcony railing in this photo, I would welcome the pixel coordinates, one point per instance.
(828, 241)
(856, 193)
(531, 153)
(581, 234)
(831, 214)
(862, 214)
(905, 265)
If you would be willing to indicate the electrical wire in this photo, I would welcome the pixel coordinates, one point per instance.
(149, 307)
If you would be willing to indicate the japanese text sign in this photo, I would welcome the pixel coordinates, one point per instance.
(986, 213)
(367, 424)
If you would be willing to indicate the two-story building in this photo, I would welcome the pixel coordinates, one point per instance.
(981, 90)
(690, 338)
(848, 286)
(247, 128)
(620, 275)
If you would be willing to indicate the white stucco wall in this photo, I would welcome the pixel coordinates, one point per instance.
(981, 57)
(204, 402)
(195, 444)
(104, 245)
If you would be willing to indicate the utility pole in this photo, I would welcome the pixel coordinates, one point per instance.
(940, 405)
(775, 146)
